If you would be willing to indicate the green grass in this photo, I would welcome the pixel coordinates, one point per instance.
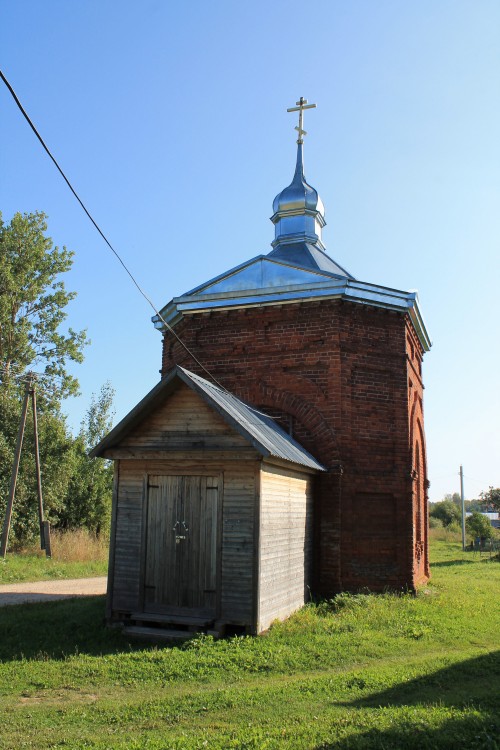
(19, 568)
(360, 672)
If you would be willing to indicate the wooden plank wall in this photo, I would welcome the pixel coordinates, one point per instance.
(285, 543)
(238, 518)
(236, 543)
(128, 535)
(184, 421)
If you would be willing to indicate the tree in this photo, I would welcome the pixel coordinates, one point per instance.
(491, 498)
(32, 305)
(472, 505)
(447, 511)
(479, 525)
(88, 500)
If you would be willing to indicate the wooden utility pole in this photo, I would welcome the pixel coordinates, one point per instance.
(44, 525)
(15, 471)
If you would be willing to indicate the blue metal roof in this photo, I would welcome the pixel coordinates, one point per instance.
(296, 270)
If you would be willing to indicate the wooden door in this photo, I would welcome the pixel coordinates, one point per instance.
(180, 571)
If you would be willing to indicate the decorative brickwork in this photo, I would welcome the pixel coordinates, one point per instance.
(346, 379)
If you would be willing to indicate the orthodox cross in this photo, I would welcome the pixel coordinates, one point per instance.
(301, 106)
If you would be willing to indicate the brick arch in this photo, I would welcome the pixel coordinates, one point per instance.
(417, 431)
(419, 467)
(420, 439)
(305, 413)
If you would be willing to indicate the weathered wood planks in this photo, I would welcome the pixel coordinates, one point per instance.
(285, 543)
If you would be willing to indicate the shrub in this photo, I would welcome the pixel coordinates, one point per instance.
(447, 511)
(435, 523)
(478, 525)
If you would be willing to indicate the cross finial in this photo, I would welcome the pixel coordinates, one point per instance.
(301, 106)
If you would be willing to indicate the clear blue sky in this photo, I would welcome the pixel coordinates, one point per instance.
(170, 119)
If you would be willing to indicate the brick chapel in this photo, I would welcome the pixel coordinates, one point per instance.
(337, 364)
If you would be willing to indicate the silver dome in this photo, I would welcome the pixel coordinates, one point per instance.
(298, 211)
(298, 195)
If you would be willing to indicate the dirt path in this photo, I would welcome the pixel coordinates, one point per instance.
(46, 591)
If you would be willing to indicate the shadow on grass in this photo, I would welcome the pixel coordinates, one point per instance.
(470, 681)
(470, 733)
(58, 629)
(472, 684)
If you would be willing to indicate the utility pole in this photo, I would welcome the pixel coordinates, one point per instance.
(44, 525)
(463, 505)
(15, 471)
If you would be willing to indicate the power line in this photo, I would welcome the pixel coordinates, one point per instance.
(476, 481)
(108, 243)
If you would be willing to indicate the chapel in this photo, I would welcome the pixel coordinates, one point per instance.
(282, 454)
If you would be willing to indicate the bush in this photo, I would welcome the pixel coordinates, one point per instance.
(435, 523)
(447, 511)
(478, 525)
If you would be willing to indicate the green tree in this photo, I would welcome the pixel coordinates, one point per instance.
(33, 302)
(32, 305)
(472, 505)
(491, 498)
(447, 511)
(479, 525)
(88, 500)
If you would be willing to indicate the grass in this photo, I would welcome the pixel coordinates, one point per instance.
(75, 554)
(358, 672)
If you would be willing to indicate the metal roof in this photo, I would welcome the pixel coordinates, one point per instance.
(297, 269)
(263, 432)
(268, 281)
(307, 255)
(260, 430)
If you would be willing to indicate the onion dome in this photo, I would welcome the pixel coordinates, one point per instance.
(298, 210)
(298, 195)
(299, 217)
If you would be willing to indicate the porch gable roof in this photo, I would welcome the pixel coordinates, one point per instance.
(268, 438)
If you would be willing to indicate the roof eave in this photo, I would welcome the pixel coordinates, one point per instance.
(134, 416)
(359, 292)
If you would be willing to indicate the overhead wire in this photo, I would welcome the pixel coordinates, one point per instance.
(108, 243)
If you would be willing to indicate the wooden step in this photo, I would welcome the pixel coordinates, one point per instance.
(157, 634)
(200, 622)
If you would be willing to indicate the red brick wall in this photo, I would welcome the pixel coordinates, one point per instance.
(420, 482)
(338, 374)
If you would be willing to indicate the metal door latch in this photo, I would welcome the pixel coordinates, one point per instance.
(179, 537)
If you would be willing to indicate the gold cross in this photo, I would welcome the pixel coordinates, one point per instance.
(301, 106)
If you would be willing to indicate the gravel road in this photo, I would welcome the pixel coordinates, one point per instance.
(46, 591)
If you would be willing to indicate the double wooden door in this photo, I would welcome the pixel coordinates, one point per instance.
(181, 541)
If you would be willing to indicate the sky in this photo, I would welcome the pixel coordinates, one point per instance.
(170, 121)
